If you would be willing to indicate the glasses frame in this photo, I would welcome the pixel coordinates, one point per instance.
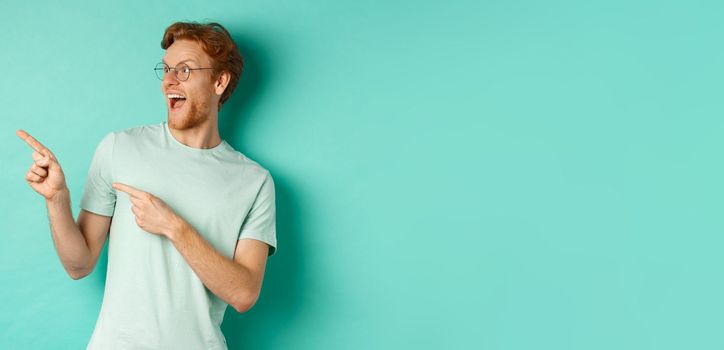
(161, 66)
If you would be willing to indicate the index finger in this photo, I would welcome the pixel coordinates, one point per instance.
(128, 189)
(30, 140)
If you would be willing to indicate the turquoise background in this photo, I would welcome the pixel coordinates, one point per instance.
(457, 174)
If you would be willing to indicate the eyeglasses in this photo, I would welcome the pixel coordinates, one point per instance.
(181, 71)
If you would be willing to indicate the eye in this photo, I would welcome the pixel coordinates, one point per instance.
(184, 69)
(165, 69)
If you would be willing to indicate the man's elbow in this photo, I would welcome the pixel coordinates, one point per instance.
(244, 304)
(77, 274)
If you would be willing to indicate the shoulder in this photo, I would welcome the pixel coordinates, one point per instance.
(249, 166)
(139, 130)
(135, 135)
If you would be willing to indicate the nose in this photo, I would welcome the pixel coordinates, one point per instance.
(170, 78)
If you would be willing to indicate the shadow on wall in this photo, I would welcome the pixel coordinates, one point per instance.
(280, 299)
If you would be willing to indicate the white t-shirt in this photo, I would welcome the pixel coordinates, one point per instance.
(153, 299)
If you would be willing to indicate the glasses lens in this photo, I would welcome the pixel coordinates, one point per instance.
(160, 69)
(182, 71)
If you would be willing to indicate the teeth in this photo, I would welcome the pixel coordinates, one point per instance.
(175, 96)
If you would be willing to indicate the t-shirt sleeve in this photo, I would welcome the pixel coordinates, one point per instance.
(98, 195)
(260, 223)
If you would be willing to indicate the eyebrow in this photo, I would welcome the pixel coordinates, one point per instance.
(190, 59)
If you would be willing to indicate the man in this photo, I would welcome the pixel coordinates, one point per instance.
(192, 221)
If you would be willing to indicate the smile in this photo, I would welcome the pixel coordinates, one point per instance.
(176, 101)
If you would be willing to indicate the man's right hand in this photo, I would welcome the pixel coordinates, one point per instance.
(45, 175)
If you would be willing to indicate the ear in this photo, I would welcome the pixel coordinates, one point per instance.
(222, 82)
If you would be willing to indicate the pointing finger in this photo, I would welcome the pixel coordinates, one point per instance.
(30, 140)
(128, 189)
(48, 153)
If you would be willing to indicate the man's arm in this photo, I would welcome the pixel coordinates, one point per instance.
(78, 252)
(237, 281)
(78, 245)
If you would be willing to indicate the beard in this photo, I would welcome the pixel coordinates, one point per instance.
(196, 114)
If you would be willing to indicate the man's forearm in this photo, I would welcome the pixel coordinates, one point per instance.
(224, 277)
(67, 237)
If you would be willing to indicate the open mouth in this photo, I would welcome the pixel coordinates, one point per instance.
(176, 101)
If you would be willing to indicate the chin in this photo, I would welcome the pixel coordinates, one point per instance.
(177, 122)
(187, 119)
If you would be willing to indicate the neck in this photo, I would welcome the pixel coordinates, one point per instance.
(203, 135)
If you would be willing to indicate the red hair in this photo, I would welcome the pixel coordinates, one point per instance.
(217, 43)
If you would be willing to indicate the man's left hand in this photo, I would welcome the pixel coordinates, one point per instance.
(152, 214)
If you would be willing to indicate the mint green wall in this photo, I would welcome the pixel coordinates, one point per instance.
(463, 174)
